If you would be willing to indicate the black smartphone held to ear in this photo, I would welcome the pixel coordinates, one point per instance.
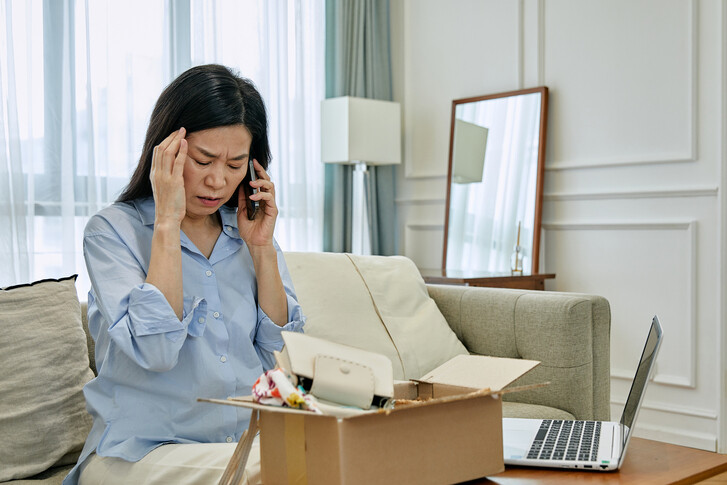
(254, 205)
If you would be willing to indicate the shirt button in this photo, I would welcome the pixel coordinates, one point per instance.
(229, 439)
(200, 319)
(208, 273)
(223, 359)
(216, 314)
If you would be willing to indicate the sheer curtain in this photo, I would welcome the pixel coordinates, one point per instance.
(76, 119)
(279, 45)
(78, 80)
(14, 234)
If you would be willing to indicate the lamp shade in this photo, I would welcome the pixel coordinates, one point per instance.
(360, 130)
(468, 157)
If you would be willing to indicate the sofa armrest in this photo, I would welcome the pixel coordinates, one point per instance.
(568, 333)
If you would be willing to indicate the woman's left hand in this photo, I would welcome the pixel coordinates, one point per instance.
(258, 235)
(259, 231)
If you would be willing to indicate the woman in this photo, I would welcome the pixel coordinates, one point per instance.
(189, 290)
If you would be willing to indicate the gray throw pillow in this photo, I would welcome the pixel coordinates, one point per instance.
(44, 362)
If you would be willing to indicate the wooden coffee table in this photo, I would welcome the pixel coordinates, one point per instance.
(647, 462)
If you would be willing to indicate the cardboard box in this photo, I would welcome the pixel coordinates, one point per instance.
(453, 436)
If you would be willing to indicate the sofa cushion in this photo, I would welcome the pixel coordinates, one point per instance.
(52, 476)
(43, 418)
(377, 303)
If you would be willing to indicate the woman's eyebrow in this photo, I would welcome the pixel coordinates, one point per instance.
(212, 155)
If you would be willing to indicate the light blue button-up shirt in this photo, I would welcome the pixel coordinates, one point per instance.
(152, 367)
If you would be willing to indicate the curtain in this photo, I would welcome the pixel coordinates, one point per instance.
(279, 45)
(78, 81)
(14, 240)
(77, 119)
(358, 63)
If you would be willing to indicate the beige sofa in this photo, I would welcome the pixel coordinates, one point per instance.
(382, 304)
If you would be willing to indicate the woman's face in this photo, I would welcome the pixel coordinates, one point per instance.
(216, 164)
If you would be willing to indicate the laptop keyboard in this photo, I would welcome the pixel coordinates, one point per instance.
(566, 440)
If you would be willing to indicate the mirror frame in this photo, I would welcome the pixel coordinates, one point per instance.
(543, 90)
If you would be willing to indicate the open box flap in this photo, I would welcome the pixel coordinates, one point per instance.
(479, 372)
(329, 410)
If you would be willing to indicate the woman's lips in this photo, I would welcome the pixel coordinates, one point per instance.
(209, 202)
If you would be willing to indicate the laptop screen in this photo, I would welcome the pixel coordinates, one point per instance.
(638, 386)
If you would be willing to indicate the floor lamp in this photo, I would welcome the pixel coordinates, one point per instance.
(360, 132)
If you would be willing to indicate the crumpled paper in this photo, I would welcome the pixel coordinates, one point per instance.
(276, 388)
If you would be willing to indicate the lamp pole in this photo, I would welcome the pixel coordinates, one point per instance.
(360, 227)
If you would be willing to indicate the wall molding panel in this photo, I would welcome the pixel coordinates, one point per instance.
(633, 194)
(540, 68)
(425, 227)
(411, 174)
(683, 436)
(520, 39)
(691, 154)
(421, 201)
(671, 409)
(559, 165)
(679, 381)
(423, 243)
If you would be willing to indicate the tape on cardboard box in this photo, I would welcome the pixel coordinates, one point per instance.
(295, 448)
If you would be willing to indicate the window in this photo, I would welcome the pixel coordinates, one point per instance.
(79, 80)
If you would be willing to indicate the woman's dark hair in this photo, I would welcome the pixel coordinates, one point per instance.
(202, 97)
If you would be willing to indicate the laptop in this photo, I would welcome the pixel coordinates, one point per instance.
(589, 445)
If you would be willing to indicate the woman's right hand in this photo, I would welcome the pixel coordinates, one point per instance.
(167, 181)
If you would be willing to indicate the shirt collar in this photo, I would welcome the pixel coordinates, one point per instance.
(229, 221)
(146, 209)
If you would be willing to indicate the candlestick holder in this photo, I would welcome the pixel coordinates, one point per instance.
(516, 261)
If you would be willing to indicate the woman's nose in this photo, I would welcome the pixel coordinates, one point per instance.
(215, 178)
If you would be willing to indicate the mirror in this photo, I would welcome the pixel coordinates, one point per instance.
(495, 184)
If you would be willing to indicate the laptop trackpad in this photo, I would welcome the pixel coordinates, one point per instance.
(517, 436)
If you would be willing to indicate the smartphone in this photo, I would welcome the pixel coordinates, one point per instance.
(254, 205)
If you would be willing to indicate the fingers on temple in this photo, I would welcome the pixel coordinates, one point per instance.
(168, 140)
(178, 166)
(170, 152)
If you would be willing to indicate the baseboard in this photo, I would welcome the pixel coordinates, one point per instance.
(700, 441)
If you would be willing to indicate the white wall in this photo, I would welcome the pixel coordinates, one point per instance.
(632, 207)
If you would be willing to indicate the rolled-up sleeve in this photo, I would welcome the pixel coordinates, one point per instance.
(268, 338)
(268, 333)
(150, 314)
(140, 321)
